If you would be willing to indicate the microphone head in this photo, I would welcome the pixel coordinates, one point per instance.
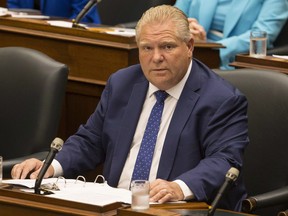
(57, 144)
(232, 173)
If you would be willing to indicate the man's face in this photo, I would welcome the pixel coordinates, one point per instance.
(164, 58)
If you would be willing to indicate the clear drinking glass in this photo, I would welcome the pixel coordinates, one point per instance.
(140, 194)
(258, 43)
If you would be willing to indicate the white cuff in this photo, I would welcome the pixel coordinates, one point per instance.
(58, 170)
(188, 194)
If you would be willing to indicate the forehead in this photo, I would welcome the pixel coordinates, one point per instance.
(156, 31)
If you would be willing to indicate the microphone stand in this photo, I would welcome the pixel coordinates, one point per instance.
(83, 12)
(56, 146)
(231, 177)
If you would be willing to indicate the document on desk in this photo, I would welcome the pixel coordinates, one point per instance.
(27, 16)
(281, 56)
(127, 32)
(99, 194)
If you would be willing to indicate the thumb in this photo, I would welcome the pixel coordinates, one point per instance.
(35, 174)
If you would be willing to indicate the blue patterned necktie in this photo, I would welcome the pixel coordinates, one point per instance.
(146, 151)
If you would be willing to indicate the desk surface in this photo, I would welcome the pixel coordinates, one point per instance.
(14, 202)
(266, 62)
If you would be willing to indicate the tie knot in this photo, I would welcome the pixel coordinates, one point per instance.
(161, 95)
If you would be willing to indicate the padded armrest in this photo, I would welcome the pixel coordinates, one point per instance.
(271, 198)
(283, 213)
(281, 50)
(8, 164)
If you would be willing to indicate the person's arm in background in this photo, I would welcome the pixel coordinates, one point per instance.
(271, 19)
(92, 16)
(196, 29)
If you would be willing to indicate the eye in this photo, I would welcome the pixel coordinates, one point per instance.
(168, 47)
(146, 48)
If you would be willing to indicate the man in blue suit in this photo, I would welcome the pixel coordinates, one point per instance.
(229, 22)
(55, 8)
(203, 131)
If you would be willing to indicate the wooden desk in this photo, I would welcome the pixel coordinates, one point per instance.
(178, 209)
(14, 202)
(23, 204)
(92, 57)
(266, 62)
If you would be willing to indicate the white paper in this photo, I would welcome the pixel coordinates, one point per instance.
(92, 193)
(30, 16)
(99, 194)
(29, 183)
(3, 11)
(281, 56)
(122, 32)
(60, 23)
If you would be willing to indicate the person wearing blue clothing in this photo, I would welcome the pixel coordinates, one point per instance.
(202, 133)
(229, 22)
(63, 8)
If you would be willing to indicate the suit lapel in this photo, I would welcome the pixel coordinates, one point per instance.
(128, 127)
(233, 15)
(181, 115)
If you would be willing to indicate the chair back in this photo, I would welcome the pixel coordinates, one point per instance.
(281, 42)
(32, 89)
(265, 163)
(115, 12)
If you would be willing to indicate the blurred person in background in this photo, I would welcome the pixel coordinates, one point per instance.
(229, 22)
(55, 8)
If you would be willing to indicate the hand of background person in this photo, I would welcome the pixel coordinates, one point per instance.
(164, 191)
(30, 169)
(196, 29)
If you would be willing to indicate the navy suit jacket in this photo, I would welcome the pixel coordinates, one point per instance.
(63, 8)
(207, 134)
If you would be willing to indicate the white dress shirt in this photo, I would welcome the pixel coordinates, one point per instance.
(169, 107)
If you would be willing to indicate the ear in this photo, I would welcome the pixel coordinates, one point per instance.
(190, 46)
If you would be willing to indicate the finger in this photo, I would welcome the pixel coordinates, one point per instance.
(192, 20)
(16, 172)
(163, 196)
(197, 31)
(26, 170)
(19, 172)
(49, 173)
(167, 196)
(35, 174)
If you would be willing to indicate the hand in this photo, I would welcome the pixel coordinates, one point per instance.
(30, 167)
(196, 29)
(163, 191)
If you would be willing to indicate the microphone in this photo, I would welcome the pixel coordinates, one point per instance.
(231, 177)
(283, 213)
(275, 197)
(55, 147)
(83, 12)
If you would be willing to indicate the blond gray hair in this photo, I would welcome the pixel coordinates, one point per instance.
(162, 14)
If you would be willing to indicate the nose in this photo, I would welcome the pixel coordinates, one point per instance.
(157, 56)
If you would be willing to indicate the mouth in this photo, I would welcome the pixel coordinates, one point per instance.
(160, 70)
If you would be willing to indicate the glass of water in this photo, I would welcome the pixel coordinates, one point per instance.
(258, 43)
(140, 194)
